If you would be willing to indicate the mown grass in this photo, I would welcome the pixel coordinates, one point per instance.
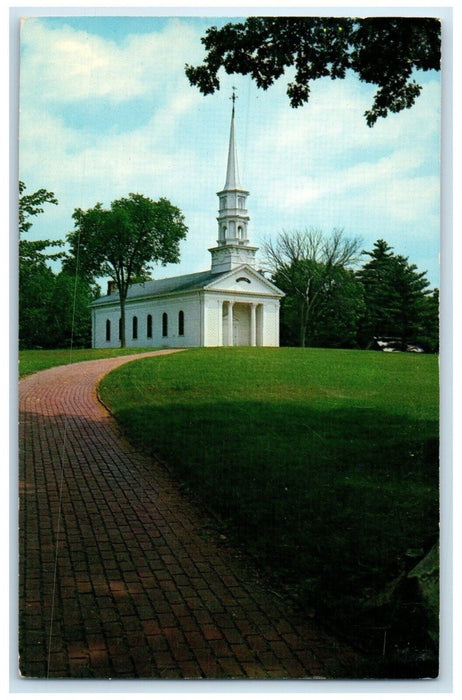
(31, 361)
(323, 463)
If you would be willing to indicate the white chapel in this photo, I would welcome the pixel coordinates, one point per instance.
(230, 304)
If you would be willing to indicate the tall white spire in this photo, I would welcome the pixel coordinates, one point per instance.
(232, 171)
(232, 249)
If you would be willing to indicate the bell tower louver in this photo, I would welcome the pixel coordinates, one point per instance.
(232, 248)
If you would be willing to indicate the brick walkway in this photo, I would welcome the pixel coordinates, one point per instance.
(119, 578)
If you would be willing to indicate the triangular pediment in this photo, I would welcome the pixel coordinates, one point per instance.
(244, 279)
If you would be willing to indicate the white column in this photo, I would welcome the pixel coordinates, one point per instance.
(230, 322)
(253, 324)
(220, 323)
(276, 313)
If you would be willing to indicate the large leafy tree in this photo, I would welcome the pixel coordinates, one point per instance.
(311, 269)
(395, 296)
(123, 241)
(383, 51)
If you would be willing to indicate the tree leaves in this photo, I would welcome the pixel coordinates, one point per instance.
(395, 293)
(384, 51)
(32, 204)
(123, 241)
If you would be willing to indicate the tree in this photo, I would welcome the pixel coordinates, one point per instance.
(36, 284)
(32, 205)
(308, 267)
(380, 293)
(394, 294)
(384, 51)
(36, 279)
(32, 252)
(428, 336)
(122, 241)
(340, 312)
(69, 322)
(336, 319)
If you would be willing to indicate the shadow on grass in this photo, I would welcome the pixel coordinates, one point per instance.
(337, 505)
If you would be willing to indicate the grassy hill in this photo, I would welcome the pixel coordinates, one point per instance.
(322, 463)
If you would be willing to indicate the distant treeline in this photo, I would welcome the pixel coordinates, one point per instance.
(336, 294)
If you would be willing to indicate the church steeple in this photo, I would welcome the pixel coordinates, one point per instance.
(232, 171)
(233, 249)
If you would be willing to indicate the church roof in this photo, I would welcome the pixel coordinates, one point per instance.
(169, 285)
(184, 283)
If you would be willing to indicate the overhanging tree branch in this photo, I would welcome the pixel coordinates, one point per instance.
(383, 51)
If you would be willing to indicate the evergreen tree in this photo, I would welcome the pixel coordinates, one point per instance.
(428, 336)
(394, 295)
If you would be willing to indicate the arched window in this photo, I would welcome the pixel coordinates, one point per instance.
(223, 231)
(135, 327)
(180, 323)
(164, 325)
(108, 330)
(239, 231)
(149, 326)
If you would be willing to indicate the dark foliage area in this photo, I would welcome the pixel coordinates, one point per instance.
(386, 303)
(383, 51)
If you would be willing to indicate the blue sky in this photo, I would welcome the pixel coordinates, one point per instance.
(106, 109)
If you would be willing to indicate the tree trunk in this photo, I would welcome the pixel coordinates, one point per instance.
(303, 324)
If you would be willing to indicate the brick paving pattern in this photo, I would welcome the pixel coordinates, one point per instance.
(118, 577)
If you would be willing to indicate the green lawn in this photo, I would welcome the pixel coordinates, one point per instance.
(323, 463)
(31, 361)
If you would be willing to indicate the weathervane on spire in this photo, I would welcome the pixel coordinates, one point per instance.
(233, 96)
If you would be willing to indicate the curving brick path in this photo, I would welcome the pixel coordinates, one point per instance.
(119, 577)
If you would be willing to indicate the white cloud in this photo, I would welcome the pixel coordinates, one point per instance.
(66, 65)
(332, 124)
(323, 159)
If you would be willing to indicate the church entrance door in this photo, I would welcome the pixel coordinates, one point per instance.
(236, 333)
(241, 324)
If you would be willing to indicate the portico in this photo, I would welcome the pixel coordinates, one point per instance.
(242, 323)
